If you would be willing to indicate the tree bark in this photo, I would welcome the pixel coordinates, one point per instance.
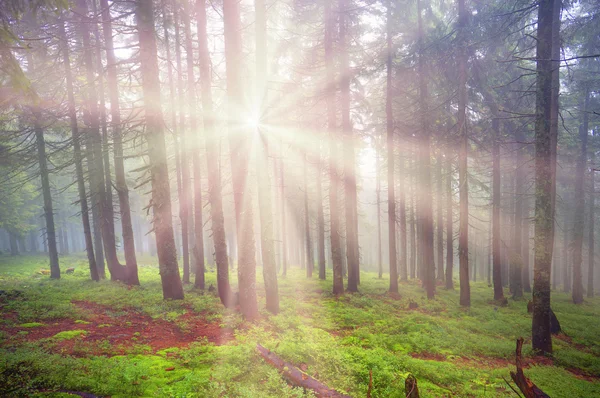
(390, 155)
(578, 219)
(517, 266)
(262, 165)
(350, 198)
(545, 147)
(239, 148)
(161, 199)
(425, 211)
(449, 226)
(117, 272)
(334, 219)
(463, 231)
(118, 158)
(591, 236)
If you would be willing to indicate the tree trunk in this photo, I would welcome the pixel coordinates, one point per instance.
(118, 158)
(14, 245)
(389, 116)
(425, 211)
(578, 219)
(440, 217)
(262, 166)
(284, 256)
(239, 147)
(334, 219)
(161, 199)
(449, 226)
(185, 198)
(517, 266)
(525, 238)
(95, 141)
(545, 147)
(463, 231)
(378, 203)
(308, 243)
(350, 198)
(591, 238)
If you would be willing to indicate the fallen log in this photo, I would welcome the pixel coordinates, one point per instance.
(297, 377)
(527, 387)
(410, 387)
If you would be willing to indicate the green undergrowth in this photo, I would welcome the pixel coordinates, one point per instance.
(452, 351)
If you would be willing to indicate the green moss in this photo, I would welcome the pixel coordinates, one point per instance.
(451, 351)
(68, 334)
(31, 325)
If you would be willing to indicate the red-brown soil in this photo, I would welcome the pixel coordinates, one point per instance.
(128, 331)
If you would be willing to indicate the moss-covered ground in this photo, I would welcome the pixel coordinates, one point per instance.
(110, 340)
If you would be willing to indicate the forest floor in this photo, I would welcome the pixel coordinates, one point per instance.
(110, 340)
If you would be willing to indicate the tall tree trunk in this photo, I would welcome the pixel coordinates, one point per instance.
(14, 245)
(320, 220)
(389, 116)
(110, 212)
(262, 166)
(118, 158)
(116, 270)
(239, 147)
(185, 199)
(194, 153)
(157, 154)
(334, 218)
(496, 228)
(309, 260)
(591, 237)
(578, 219)
(449, 226)
(46, 193)
(517, 266)
(284, 256)
(525, 235)
(378, 200)
(463, 230)
(440, 217)
(545, 147)
(402, 213)
(352, 253)
(425, 211)
(565, 246)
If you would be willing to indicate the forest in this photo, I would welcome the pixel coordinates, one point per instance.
(299, 198)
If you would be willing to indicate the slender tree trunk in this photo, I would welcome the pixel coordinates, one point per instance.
(284, 256)
(578, 224)
(262, 166)
(320, 220)
(239, 146)
(194, 153)
(591, 237)
(334, 219)
(566, 248)
(449, 227)
(378, 200)
(517, 266)
(496, 228)
(545, 147)
(425, 210)
(46, 193)
(185, 198)
(390, 156)
(308, 243)
(440, 217)
(161, 199)
(118, 158)
(525, 235)
(463, 231)
(14, 245)
(402, 213)
(352, 252)
(96, 176)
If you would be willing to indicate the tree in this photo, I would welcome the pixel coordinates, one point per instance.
(545, 147)
(390, 155)
(161, 199)
(239, 148)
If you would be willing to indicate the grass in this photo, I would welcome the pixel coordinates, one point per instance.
(451, 351)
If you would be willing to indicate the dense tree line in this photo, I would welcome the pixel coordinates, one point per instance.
(230, 135)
